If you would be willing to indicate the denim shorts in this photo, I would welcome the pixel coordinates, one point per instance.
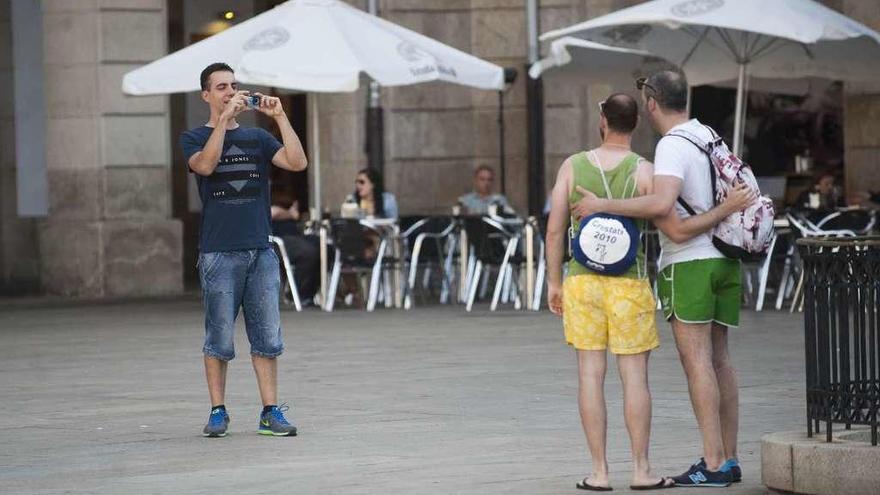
(248, 279)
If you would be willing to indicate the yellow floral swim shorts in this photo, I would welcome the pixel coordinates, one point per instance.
(601, 312)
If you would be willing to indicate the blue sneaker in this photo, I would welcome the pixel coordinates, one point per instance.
(730, 466)
(274, 423)
(218, 421)
(699, 476)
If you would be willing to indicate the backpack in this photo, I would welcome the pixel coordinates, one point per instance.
(604, 243)
(744, 234)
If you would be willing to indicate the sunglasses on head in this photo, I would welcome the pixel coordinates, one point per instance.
(642, 83)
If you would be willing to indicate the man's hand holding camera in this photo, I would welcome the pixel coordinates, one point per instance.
(268, 105)
(291, 156)
(236, 105)
(244, 100)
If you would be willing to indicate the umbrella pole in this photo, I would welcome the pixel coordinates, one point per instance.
(316, 155)
(739, 117)
(318, 215)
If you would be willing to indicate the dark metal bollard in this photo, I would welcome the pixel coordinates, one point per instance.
(842, 332)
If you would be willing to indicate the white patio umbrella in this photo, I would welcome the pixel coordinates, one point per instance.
(590, 62)
(572, 58)
(718, 40)
(316, 45)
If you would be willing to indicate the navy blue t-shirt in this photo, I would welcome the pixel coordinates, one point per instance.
(236, 212)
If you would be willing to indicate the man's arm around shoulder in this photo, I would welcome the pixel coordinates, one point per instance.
(659, 203)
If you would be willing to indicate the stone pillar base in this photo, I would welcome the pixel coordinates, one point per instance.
(111, 258)
(792, 462)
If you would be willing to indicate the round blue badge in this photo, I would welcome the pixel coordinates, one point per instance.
(606, 244)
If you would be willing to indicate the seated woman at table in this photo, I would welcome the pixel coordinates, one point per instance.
(823, 196)
(371, 197)
(374, 202)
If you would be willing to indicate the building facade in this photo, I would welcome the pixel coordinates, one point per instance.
(121, 213)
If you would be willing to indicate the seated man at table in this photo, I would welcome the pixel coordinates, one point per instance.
(302, 249)
(478, 201)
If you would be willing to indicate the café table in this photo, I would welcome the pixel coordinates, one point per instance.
(389, 231)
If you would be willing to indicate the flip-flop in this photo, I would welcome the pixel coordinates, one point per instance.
(660, 485)
(583, 485)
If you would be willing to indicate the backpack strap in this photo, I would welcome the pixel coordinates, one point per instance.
(716, 138)
(684, 204)
(689, 137)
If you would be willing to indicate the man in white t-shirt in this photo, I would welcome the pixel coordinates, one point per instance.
(699, 288)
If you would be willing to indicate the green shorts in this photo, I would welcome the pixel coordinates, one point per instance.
(702, 291)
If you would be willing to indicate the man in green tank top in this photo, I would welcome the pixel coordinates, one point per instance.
(607, 312)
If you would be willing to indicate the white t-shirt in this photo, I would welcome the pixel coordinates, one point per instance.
(679, 158)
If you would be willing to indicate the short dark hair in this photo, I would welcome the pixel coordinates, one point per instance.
(622, 112)
(484, 168)
(669, 88)
(205, 78)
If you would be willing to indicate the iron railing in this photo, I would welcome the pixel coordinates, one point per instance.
(842, 332)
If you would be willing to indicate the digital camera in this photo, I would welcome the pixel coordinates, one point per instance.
(253, 101)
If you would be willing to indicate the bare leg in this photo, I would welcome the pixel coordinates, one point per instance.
(728, 387)
(215, 373)
(266, 370)
(633, 370)
(694, 343)
(591, 403)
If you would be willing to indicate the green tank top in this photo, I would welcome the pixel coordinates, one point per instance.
(622, 183)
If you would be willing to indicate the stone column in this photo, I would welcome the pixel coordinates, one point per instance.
(429, 128)
(109, 231)
(861, 114)
(498, 34)
(342, 132)
(19, 258)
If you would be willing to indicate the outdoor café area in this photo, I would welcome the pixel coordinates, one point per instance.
(499, 259)
(418, 261)
(419, 351)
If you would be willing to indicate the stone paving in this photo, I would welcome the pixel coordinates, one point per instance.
(111, 398)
